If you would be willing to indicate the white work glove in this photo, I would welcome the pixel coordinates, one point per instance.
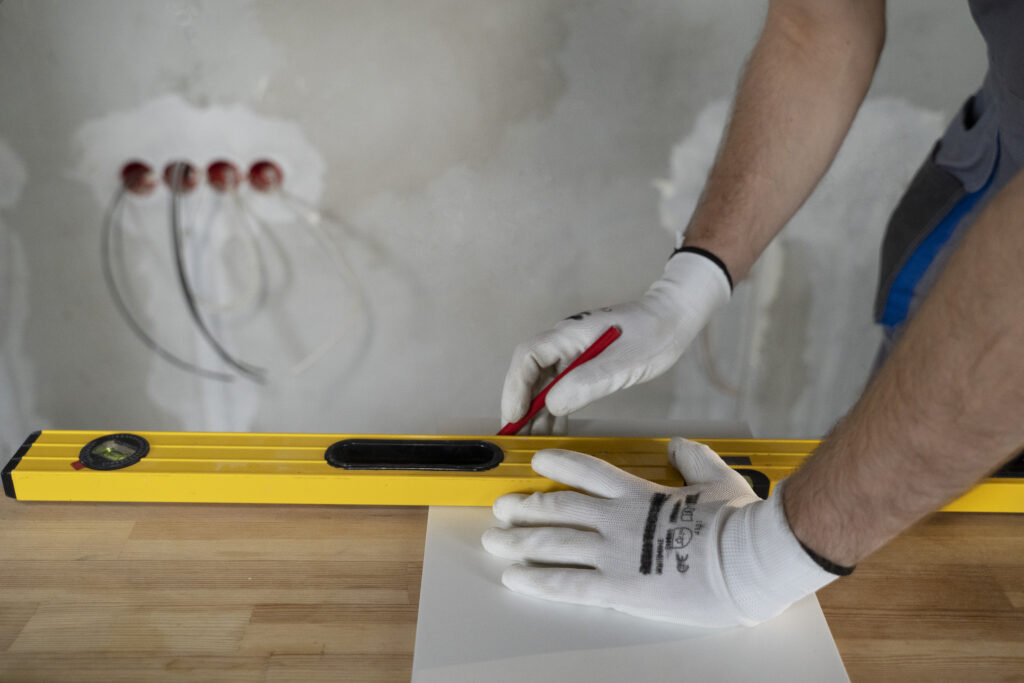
(711, 553)
(656, 330)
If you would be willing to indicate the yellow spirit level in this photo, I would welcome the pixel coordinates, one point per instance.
(183, 467)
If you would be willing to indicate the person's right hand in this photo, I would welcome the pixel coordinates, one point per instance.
(656, 330)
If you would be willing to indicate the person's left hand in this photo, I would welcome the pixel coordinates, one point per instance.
(710, 553)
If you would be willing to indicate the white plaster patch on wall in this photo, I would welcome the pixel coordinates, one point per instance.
(17, 396)
(843, 224)
(168, 129)
(690, 164)
(809, 367)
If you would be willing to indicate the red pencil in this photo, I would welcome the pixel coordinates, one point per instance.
(602, 343)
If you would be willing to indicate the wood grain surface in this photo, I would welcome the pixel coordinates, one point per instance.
(121, 592)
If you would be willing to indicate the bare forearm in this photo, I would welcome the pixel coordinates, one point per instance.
(943, 411)
(796, 100)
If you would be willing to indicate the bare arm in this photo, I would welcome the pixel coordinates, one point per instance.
(802, 87)
(945, 409)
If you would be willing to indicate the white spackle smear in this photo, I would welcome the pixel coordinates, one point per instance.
(168, 129)
(16, 383)
(836, 235)
(691, 162)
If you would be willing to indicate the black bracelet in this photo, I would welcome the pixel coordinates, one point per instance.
(828, 565)
(707, 254)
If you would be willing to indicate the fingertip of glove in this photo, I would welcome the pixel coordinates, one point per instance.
(503, 506)
(548, 462)
(558, 401)
(679, 443)
(491, 539)
(516, 578)
(513, 405)
(683, 451)
(700, 464)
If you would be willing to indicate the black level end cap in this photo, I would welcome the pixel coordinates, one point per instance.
(13, 462)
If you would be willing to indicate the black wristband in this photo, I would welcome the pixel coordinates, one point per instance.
(828, 565)
(706, 254)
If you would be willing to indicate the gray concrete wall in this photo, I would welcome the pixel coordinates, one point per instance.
(497, 166)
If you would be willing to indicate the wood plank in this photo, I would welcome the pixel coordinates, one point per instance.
(993, 540)
(13, 617)
(1011, 580)
(185, 582)
(112, 628)
(317, 533)
(939, 603)
(304, 550)
(331, 629)
(333, 668)
(876, 660)
(86, 668)
(370, 637)
(80, 539)
(930, 587)
(118, 668)
(280, 522)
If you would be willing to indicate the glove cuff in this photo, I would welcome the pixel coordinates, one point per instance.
(765, 566)
(693, 287)
(708, 255)
(826, 564)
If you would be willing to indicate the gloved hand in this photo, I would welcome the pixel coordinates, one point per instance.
(710, 553)
(656, 330)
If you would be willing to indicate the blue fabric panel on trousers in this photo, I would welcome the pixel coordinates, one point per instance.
(897, 304)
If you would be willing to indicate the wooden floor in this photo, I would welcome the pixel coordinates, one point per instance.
(111, 592)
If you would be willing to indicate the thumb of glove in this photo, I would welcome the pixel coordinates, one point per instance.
(700, 465)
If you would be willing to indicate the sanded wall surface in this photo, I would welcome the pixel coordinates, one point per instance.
(497, 166)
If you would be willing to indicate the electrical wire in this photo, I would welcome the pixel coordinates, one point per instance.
(314, 222)
(252, 372)
(111, 234)
(254, 229)
(710, 367)
(254, 296)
